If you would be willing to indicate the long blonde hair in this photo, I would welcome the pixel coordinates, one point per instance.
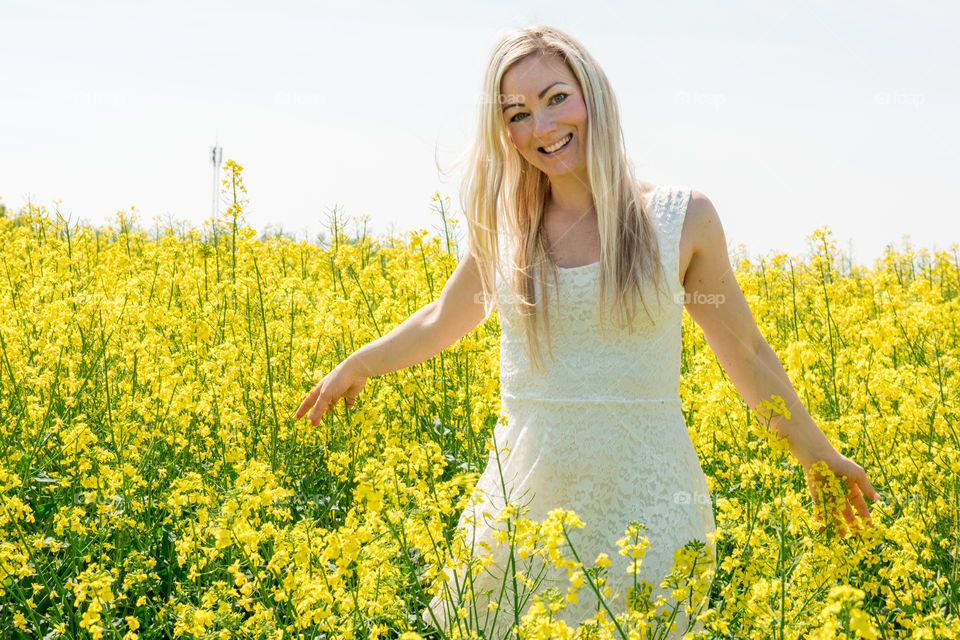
(501, 187)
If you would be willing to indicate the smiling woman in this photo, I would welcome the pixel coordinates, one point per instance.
(599, 428)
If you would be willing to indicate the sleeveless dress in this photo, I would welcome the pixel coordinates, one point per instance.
(600, 432)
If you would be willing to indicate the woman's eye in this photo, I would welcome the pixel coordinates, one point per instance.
(563, 97)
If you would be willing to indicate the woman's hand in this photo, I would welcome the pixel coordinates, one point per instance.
(343, 382)
(853, 485)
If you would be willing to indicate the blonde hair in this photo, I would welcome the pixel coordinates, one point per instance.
(501, 187)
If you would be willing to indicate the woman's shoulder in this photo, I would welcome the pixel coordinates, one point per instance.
(701, 225)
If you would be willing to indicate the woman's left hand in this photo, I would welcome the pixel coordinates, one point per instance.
(853, 483)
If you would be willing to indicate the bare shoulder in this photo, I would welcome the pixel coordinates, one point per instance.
(702, 231)
(701, 221)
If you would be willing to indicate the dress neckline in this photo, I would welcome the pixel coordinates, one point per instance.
(653, 196)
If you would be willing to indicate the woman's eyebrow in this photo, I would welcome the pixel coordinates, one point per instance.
(520, 104)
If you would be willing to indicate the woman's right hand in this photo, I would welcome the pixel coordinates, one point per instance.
(343, 382)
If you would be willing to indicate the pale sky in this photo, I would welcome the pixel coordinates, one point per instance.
(787, 115)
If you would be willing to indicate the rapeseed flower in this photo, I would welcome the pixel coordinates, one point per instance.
(151, 485)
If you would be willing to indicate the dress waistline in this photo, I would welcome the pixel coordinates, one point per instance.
(594, 399)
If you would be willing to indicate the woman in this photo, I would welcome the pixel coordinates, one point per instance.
(598, 428)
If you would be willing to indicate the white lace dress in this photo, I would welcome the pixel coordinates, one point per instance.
(600, 432)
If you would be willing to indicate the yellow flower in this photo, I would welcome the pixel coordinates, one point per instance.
(20, 621)
(861, 624)
(153, 368)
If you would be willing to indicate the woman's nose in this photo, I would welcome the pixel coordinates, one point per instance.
(543, 126)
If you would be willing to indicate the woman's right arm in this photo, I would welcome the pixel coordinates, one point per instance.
(427, 332)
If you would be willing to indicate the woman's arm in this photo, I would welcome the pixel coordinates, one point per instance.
(427, 332)
(431, 329)
(717, 305)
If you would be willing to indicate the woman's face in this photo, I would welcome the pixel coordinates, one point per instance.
(543, 107)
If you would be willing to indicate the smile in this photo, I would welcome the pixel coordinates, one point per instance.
(557, 145)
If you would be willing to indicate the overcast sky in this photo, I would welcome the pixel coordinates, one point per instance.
(787, 115)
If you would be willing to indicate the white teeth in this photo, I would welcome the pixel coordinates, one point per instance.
(557, 145)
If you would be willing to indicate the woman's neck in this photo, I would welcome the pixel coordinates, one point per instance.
(570, 196)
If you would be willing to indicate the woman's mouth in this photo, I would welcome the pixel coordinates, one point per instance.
(557, 146)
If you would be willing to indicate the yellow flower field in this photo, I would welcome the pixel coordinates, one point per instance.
(153, 483)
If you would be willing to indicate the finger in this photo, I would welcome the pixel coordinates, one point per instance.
(860, 504)
(302, 409)
(847, 505)
(349, 400)
(297, 412)
(848, 515)
(318, 410)
(309, 400)
(323, 402)
(871, 493)
(353, 393)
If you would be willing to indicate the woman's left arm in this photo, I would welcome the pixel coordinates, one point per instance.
(716, 303)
